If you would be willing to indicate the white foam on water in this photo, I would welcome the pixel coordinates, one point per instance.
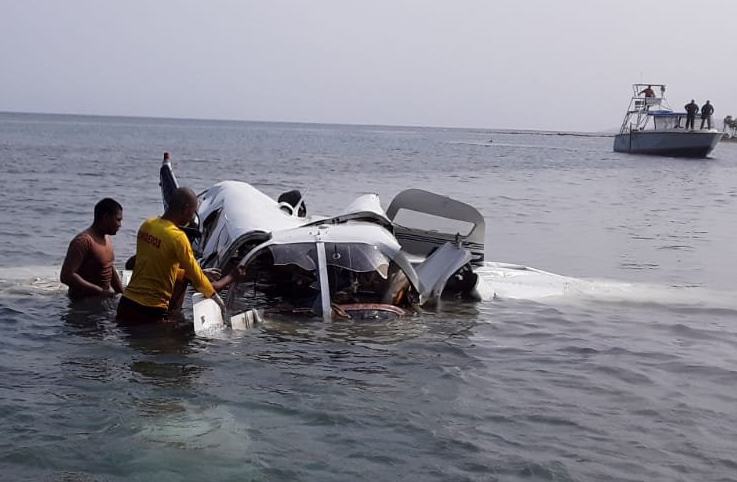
(512, 281)
(21, 273)
(215, 332)
(27, 280)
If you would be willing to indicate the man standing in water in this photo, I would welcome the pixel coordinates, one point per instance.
(88, 268)
(164, 258)
(706, 111)
(691, 109)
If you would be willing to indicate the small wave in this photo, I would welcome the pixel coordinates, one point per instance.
(29, 280)
(22, 273)
(678, 247)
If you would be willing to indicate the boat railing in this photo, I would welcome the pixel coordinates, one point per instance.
(659, 121)
(637, 117)
(644, 103)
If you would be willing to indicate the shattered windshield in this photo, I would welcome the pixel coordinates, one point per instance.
(355, 273)
(361, 258)
(298, 254)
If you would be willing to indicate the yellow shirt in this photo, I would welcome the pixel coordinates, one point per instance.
(161, 250)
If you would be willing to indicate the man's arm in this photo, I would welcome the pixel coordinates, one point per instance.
(223, 282)
(191, 268)
(237, 274)
(115, 281)
(77, 252)
(197, 277)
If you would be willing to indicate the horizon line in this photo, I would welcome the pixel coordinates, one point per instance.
(209, 119)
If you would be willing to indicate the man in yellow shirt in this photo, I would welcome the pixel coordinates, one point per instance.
(164, 257)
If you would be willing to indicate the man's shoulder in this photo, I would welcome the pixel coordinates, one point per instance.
(155, 226)
(80, 246)
(149, 222)
(82, 238)
(163, 228)
(178, 235)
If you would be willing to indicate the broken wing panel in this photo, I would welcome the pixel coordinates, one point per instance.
(435, 271)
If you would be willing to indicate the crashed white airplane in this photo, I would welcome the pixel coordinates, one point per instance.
(361, 263)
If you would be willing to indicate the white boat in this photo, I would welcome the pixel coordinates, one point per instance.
(651, 126)
(362, 262)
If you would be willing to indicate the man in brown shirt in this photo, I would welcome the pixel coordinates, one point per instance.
(88, 268)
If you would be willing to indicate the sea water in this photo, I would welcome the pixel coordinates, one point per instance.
(611, 358)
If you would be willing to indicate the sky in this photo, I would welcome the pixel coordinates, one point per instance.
(562, 65)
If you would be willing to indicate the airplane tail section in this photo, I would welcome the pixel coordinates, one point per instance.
(167, 181)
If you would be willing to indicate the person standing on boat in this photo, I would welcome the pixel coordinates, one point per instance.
(164, 258)
(649, 92)
(88, 268)
(692, 109)
(706, 111)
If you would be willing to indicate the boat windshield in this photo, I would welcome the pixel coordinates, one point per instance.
(667, 120)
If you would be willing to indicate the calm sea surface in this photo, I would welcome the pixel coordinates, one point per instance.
(617, 361)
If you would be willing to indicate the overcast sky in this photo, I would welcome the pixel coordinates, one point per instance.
(537, 64)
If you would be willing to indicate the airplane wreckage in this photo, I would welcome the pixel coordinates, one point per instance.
(361, 263)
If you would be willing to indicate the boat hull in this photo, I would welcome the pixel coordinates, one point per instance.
(676, 144)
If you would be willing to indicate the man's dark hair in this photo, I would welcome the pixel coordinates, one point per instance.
(106, 206)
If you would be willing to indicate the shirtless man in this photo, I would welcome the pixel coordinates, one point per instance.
(88, 268)
(649, 92)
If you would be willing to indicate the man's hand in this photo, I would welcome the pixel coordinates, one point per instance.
(217, 299)
(213, 274)
(239, 273)
(108, 293)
